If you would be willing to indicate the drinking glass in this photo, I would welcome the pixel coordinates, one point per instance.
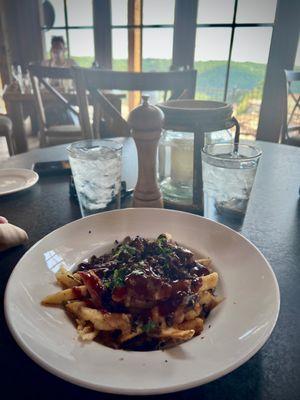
(228, 176)
(96, 169)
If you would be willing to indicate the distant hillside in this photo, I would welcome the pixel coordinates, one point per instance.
(244, 88)
(244, 76)
(85, 62)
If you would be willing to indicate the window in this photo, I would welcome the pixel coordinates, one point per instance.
(297, 59)
(211, 53)
(145, 45)
(157, 34)
(294, 112)
(120, 49)
(231, 51)
(232, 46)
(73, 21)
(246, 76)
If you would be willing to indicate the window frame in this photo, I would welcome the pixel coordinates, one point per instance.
(66, 27)
(233, 25)
(187, 27)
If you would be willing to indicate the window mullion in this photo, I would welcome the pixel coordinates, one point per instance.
(135, 17)
(67, 26)
(230, 49)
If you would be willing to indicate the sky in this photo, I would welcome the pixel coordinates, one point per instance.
(250, 44)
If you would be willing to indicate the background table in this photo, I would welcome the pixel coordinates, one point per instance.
(21, 105)
(272, 223)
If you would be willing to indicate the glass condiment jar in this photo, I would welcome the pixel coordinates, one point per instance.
(175, 163)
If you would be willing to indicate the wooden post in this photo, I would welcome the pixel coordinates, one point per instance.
(282, 56)
(135, 17)
(184, 33)
(102, 33)
(4, 57)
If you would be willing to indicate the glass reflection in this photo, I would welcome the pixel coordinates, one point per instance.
(53, 261)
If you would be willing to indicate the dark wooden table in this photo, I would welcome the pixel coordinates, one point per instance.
(272, 223)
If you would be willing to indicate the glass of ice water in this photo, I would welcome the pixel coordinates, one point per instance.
(96, 169)
(228, 177)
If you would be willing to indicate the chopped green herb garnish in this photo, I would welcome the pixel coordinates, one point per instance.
(149, 326)
(117, 279)
(164, 250)
(124, 249)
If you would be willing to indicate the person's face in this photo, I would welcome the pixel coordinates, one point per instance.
(58, 51)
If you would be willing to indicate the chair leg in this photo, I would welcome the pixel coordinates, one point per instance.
(43, 142)
(10, 144)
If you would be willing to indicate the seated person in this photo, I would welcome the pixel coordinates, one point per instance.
(57, 115)
(57, 54)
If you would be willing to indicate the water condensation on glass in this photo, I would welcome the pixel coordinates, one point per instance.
(97, 176)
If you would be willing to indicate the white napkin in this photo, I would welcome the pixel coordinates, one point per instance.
(11, 235)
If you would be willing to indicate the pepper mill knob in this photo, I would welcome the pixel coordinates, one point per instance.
(146, 122)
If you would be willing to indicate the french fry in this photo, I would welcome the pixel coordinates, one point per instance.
(66, 279)
(194, 324)
(87, 336)
(209, 281)
(179, 315)
(157, 318)
(168, 236)
(74, 307)
(205, 297)
(100, 320)
(76, 292)
(209, 301)
(175, 334)
(86, 332)
(192, 314)
(85, 295)
(127, 336)
(204, 261)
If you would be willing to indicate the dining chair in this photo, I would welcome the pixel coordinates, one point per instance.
(52, 134)
(6, 131)
(290, 129)
(95, 81)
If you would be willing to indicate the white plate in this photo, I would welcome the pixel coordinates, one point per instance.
(16, 179)
(239, 326)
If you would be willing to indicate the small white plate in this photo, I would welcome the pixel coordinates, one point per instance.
(14, 180)
(234, 331)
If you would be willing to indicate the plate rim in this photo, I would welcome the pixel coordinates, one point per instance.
(35, 177)
(134, 391)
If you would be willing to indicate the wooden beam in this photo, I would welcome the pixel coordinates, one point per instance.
(5, 72)
(11, 31)
(102, 33)
(282, 56)
(135, 17)
(22, 25)
(184, 33)
(30, 34)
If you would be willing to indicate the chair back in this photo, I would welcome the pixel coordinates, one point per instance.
(95, 81)
(290, 76)
(40, 75)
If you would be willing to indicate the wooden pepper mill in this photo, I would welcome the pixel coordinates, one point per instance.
(146, 122)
